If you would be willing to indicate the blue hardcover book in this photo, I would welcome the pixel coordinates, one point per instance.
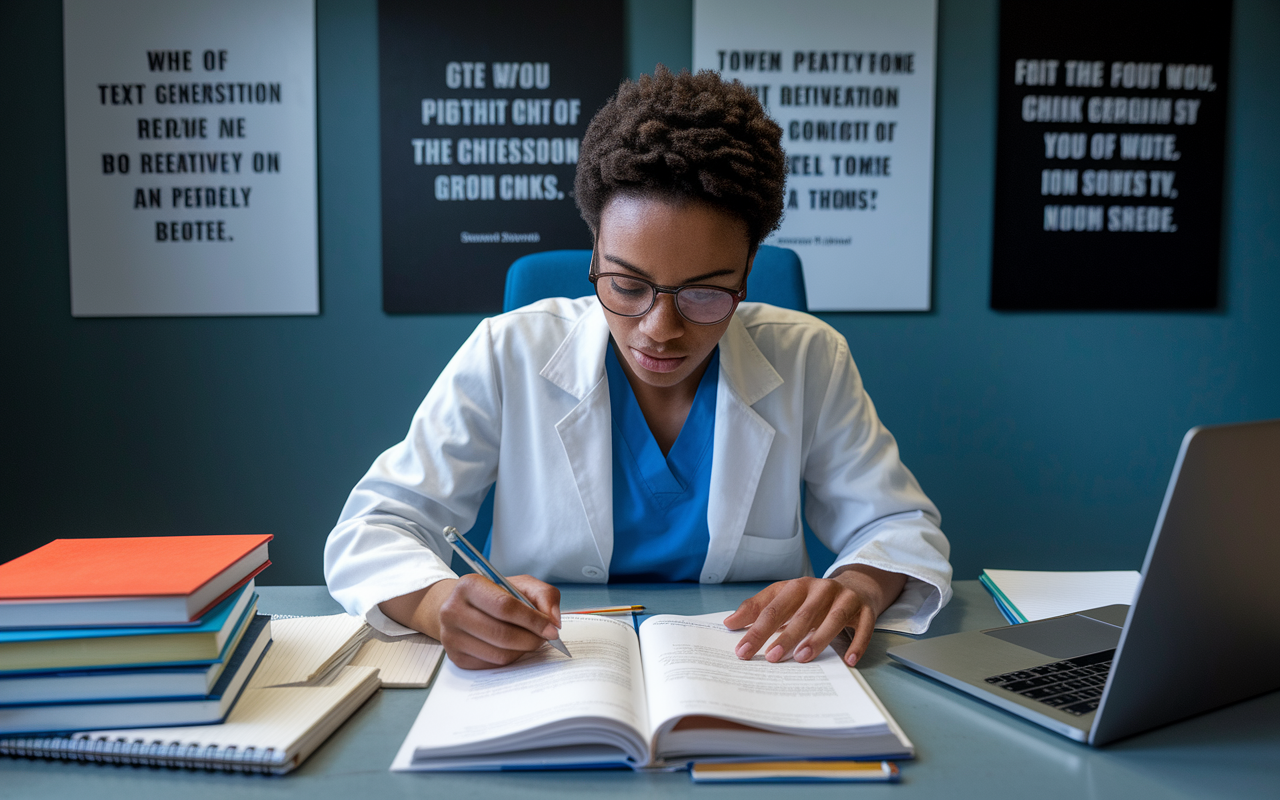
(53, 649)
(134, 682)
(154, 712)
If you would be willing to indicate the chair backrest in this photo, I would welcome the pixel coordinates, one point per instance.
(776, 278)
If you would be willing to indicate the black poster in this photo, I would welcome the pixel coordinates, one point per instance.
(1109, 154)
(483, 106)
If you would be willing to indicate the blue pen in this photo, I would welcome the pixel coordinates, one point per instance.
(481, 565)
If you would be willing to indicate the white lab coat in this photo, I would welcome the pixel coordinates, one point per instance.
(525, 402)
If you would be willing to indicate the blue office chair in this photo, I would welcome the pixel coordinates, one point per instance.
(776, 278)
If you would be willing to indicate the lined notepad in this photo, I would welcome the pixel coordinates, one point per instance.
(403, 662)
(1029, 596)
(302, 648)
(308, 650)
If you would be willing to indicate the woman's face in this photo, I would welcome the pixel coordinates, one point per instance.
(669, 244)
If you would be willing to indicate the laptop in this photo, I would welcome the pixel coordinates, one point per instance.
(1204, 627)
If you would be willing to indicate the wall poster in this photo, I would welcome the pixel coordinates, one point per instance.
(483, 107)
(1109, 155)
(851, 82)
(191, 157)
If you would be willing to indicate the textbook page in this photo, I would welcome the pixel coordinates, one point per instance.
(692, 669)
(537, 701)
(1041, 595)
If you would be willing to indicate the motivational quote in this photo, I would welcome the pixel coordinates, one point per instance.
(1121, 178)
(820, 116)
(193, 142)
(466, 120)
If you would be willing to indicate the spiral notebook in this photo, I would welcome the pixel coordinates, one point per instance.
(317, 672)
(270, 730)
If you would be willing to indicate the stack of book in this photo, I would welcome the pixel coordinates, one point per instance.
(133, 632)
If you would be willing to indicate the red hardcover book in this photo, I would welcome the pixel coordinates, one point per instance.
(163, 580)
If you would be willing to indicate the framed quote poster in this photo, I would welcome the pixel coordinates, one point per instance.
(191, 157)
(851, 82)
(483, 107)
(1110, 145)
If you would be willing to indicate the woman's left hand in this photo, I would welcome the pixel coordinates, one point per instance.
(810, 612)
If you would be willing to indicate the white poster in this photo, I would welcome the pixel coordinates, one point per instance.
(191, 157)
(851, 82)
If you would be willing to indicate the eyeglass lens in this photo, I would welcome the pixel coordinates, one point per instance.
(631, 297)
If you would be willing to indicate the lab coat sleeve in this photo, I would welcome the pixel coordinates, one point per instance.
(866, 506)
(388, 541)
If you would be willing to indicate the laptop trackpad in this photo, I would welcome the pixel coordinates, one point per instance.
(1063, 637)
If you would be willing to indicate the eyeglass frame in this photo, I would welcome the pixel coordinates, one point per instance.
(737, 295)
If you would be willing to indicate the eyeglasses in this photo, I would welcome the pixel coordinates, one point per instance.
(629, 296)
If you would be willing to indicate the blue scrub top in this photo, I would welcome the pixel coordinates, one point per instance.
(660, 502)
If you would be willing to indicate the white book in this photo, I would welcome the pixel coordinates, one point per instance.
(1032, 596)
(671, 694)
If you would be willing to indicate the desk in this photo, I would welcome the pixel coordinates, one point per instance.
(964, 748)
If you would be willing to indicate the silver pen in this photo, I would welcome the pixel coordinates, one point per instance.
(481, 565)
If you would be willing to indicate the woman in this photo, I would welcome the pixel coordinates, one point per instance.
(657, 431)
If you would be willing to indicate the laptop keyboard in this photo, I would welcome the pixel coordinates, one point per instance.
(1073, 686)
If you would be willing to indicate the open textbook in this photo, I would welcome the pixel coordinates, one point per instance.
(672, 694)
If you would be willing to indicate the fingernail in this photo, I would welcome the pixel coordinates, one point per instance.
(743, 650)
(550, 632)
(852, 659)
(804, 654)
(776, 653)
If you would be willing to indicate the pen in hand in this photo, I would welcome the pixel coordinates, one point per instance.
(476, 560)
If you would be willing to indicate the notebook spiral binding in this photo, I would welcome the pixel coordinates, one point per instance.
(140, 752)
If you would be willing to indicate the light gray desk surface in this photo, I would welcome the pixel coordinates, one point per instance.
(964, 748)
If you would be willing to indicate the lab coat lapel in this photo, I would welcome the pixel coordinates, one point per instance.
(742, 442)
(577, 367)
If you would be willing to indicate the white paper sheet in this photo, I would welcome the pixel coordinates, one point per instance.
(1040, 595)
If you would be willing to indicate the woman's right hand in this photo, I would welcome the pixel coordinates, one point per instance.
(480, 625)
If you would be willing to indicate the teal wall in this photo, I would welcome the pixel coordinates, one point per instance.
(1046, 439)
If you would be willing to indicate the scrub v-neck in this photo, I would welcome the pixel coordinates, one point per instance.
(660, 502)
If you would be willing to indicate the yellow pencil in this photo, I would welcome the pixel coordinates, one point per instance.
(607, 610)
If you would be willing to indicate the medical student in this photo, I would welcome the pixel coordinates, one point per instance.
(658, 431)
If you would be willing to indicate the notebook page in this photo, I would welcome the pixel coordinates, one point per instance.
(278, 717)
(302, 647)
(1040, 595)
(403, 662)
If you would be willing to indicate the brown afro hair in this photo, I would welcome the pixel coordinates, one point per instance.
(685, 137)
